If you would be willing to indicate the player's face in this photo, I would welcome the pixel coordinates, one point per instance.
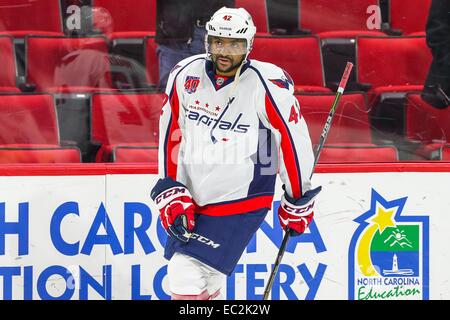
(227, 54)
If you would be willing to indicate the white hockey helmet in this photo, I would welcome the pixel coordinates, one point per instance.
(231, 23)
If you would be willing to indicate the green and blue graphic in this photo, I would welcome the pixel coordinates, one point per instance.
(388, 254)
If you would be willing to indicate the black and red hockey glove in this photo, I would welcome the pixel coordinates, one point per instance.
(176, 208)
(297, 214)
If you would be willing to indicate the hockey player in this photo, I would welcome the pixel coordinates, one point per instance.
(229, 125)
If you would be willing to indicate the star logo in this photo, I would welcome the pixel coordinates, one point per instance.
(388, 247)
(383, 218)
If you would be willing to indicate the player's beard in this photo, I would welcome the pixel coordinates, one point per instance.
(233, 66)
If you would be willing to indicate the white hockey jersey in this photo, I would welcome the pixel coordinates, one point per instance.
(227, 140)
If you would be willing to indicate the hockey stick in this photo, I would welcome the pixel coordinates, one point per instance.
(323, 137)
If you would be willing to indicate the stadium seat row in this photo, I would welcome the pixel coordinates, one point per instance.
(124, 127)
(137, 18)
(346, 19)
(64, 64)
(29, 131)
(61, 64)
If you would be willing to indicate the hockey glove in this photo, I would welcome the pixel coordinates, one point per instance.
(296, 214)
(176, 209)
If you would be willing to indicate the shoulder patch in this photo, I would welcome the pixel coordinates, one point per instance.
(284, 81)
(281, 83)
(191, 84)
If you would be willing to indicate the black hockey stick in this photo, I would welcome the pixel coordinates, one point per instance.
(322, 139)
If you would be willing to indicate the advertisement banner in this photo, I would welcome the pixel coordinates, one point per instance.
(374, 236)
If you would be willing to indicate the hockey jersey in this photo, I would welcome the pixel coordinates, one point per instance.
(227, 140)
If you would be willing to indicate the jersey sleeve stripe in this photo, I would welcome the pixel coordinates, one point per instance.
(171, 142)
(166, 141)
(287, 146)
(170, 168)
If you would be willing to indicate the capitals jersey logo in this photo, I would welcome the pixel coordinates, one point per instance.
(191, 84)
(284, 82)
(389, 251)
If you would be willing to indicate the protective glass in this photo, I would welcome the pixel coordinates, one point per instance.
(227, 46)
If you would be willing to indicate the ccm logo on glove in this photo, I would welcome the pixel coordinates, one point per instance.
(297, 214)
(167, 195)
(176, 208)
(297, 210)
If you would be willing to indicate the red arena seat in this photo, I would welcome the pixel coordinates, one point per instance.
(29, 131)
(300, 57)
(9, 90)
(8, 69)
(130, 153)
(392, 64)
(39, 155)
(125, 120)
(58, 64)
(409, 16)
(23, 17)
(131, 19)
(350, 122)
(258, 11)
(28, 120)
(337, 19)
(354, 153)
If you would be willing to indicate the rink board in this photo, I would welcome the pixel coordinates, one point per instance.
(96, 235)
